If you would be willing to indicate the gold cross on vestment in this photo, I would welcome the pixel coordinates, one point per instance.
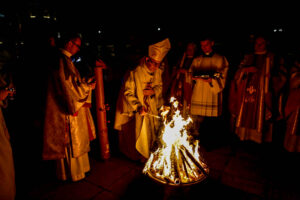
(251, 89)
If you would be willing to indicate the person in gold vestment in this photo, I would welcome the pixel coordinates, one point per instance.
(69, 126)
(252, 100)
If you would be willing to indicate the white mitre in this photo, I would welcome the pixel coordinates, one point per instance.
(159, 50)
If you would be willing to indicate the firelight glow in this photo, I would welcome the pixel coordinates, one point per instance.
(177, 160)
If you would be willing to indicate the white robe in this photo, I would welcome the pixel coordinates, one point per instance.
(206, 98)
(146, 127)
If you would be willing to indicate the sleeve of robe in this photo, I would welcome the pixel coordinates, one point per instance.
(74, 92)
(130, 92)
(158, 88)
(218, 84)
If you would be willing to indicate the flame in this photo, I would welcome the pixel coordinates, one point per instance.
(177, 160)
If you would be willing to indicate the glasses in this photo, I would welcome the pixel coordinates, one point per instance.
(78, 46)
(153, 62)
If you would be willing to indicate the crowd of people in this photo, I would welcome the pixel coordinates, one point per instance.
(256, 101)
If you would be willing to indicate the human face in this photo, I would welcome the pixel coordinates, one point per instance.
(206, 46)
(152, 64)
(75, 45)
(190, 50)
(260, 45)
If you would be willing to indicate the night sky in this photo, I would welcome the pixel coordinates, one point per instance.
(173, 17)
(115, 22)
(120, 23)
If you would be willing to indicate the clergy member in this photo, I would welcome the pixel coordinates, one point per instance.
(69, 125)
(139, 101)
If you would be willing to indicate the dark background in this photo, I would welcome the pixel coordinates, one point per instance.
(126, 29)
(120, 32)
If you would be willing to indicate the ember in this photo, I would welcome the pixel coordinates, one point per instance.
(177, 160)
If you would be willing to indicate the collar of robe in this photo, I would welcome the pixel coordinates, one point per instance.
(208, 55)
(147, 70)
(260, 52)
(65, 52)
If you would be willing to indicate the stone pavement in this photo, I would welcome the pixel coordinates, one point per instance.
(242, 171)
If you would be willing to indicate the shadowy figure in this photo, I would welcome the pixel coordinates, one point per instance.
(254, 93)
(7, 165)
(291, 111)
(180, 87)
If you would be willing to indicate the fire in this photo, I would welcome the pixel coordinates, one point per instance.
(177, 160)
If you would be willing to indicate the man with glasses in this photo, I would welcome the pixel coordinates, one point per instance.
(69, 125)
(138, 103)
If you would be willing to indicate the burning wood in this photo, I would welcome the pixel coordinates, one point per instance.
(177, 160)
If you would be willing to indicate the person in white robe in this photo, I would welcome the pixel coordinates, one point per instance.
(208, 74)
(139, 102)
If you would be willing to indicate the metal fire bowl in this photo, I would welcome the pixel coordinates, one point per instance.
(166, 182)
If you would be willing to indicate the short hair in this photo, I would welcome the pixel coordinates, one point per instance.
(206, 36)
(69, 36)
